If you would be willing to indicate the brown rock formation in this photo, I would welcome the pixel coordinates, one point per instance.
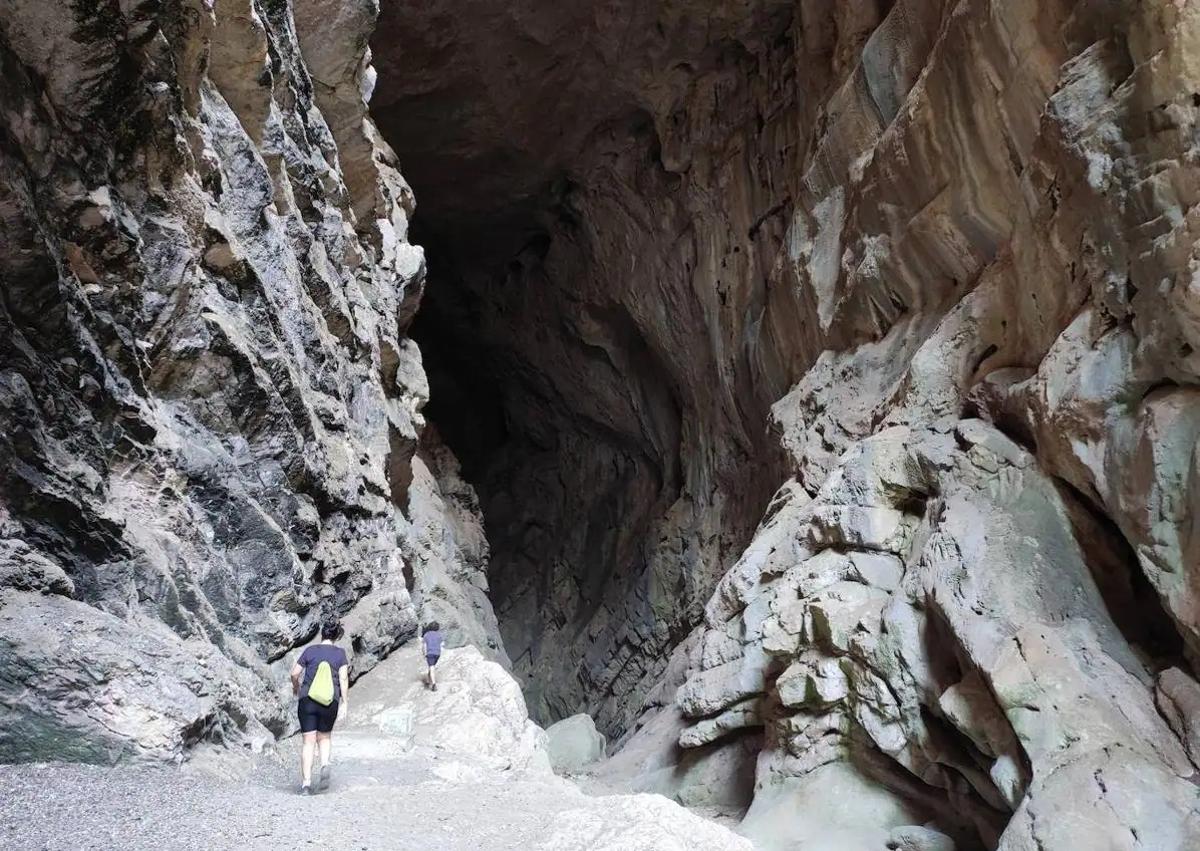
(949, 245)
(924, 270)
(618, 482)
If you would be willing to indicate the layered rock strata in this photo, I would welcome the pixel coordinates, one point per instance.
(981, 580)
(924, 270)
(949, 247)
(209, 408)
(602, 194)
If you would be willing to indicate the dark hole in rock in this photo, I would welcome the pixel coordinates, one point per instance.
(562, 334)
(1132, 602)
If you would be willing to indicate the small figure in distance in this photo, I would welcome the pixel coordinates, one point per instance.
(431, 639)
(321, 681)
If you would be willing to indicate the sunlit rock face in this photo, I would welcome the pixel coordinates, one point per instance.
(208, 402)
(926, 269)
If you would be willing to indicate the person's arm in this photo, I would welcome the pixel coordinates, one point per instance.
(298, 673)
(344, 676)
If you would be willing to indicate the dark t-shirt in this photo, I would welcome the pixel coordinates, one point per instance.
(433, 643)
(313, 656)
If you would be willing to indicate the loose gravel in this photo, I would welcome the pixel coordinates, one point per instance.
(377, 799)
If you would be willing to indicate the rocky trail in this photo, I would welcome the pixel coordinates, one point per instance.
(462, 768)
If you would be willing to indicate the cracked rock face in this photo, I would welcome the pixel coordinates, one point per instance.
(824, 377)
(927, 268)
(209, 407)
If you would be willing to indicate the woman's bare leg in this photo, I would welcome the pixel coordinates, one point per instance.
(325, 743)
(307, 752)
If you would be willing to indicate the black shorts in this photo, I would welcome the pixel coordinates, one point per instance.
(315, 718)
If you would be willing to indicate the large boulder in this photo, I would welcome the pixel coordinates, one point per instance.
(83, 685)
(918, 838)
(573, 743)
(477, 714)
(637, 823)
(834, 808)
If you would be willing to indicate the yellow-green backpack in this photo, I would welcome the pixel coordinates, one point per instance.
(321, 687)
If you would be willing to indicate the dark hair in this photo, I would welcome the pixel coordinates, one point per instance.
(432, 626)
(331, 630)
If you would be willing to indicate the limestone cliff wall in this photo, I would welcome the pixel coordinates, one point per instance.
(979, 586)
(827, 374)
(208, 402)
(941, 253)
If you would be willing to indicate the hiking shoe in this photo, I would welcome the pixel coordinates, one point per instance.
(435, 686)
(326, 772)
(306, 790)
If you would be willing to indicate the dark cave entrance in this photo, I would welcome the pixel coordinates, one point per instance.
(571, 497)
(466, 402)
(621, 461)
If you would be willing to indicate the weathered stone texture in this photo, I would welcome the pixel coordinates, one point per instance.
(828, 373)
(949, 246)
(208, 404)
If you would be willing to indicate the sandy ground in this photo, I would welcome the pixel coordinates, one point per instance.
(387, 792)
(377, 799)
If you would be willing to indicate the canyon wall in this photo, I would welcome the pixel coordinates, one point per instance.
(824, 378)
(980, 586)
(925, 270)
(210, 427)
(604, 194)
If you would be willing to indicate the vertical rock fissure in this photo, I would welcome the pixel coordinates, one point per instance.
(1132, 602)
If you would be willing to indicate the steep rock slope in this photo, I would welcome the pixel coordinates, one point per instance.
(949, 246)
(980, 588)
(208, 405)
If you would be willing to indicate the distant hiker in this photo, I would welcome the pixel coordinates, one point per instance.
(321, 679)
(432, 640)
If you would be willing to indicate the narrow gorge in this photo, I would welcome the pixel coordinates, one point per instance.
(808, 391)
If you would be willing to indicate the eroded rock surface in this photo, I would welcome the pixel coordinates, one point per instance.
(209, 408)
(950, 246)
(827, 373)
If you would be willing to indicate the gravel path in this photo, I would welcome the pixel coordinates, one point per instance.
(377, 799)
(435, 786)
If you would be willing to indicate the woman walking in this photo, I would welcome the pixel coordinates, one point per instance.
(432, 641)
(321, 680)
